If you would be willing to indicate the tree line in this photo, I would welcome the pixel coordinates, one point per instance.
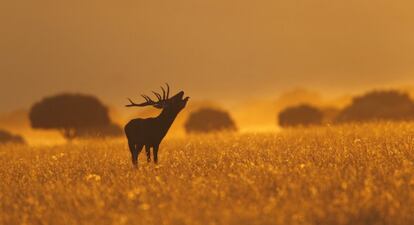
(373, 106)
(79, 116)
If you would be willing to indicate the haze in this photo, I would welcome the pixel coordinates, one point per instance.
(212, 49)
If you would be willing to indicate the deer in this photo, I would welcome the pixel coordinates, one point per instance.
(150, 132)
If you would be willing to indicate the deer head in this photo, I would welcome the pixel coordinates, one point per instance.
(176, 102)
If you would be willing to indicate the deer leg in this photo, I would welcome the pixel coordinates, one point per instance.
(134, 153)
(148, 150)
(155, 152)
(139, 149)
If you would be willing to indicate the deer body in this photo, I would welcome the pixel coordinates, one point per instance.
(150, 132)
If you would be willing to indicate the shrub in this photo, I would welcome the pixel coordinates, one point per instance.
(378, 105)
(207, 120)
(6, 137)
(301, 115)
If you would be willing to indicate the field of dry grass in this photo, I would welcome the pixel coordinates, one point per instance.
(334, 175)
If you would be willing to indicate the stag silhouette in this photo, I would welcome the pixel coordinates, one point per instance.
(149, 132)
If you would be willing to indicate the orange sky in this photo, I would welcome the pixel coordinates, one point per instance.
(209, 48)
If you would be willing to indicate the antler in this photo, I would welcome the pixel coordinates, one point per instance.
(148, 101)
(168, 90)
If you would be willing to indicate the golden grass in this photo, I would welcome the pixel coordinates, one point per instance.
(334, 175)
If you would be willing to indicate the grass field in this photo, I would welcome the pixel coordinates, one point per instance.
(333, 175)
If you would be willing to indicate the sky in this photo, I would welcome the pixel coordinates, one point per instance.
(221, 50)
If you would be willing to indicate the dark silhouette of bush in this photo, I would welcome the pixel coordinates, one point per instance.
(6, 138)
(378, 105)
(207, 120)
(301, 115)
(74, 115)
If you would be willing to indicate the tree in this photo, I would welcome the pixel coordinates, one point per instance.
(378, 105)
(301, 115)
(74, 115)
(6, 137)
(207, 120)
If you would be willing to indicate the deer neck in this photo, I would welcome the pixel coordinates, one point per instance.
(166, 118)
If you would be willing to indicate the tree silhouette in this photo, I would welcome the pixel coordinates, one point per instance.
(301, 115)
(378, 105)
(74, 115)
(207, 120)
(6, 137)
